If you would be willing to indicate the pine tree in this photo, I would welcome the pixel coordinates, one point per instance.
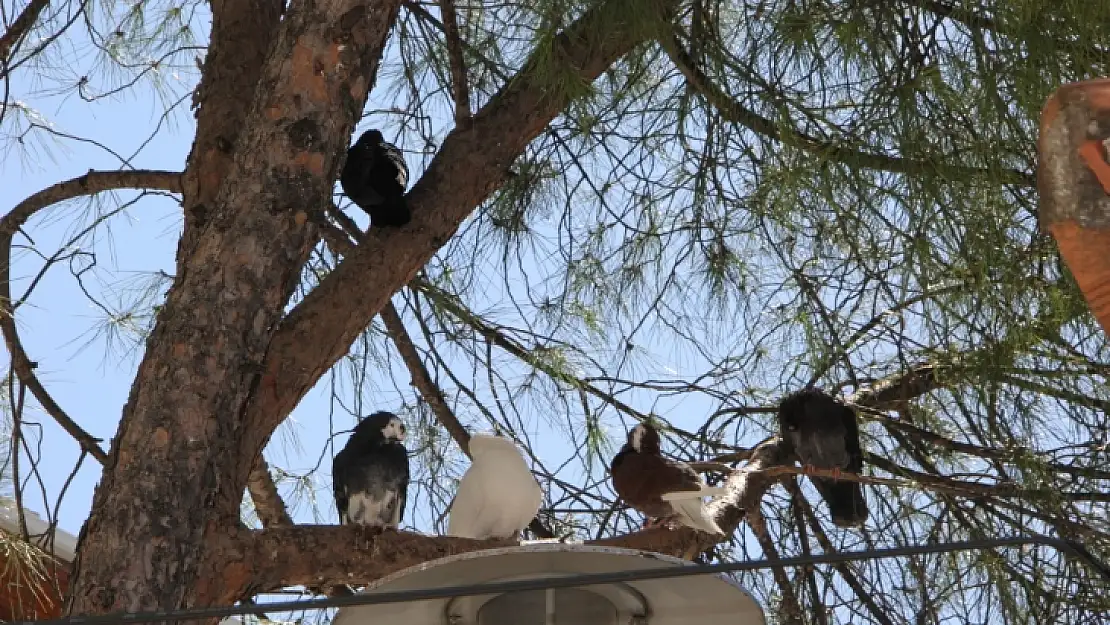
(678, 211)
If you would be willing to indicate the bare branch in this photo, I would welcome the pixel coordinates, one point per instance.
(268, 503)
(896, 390)
(89, 184)
(459, 85)
(350, 554)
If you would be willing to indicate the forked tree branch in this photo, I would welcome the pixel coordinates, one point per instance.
(188, 406)
(89, 184)
(470, 165)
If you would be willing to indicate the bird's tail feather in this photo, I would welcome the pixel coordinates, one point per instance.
(693, 514)
(846, 502)
(704, 491)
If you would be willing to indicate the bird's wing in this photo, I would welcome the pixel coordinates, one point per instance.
(354, 179)
(465, 518)
(339, 469)
(526, 498)
(846, 501)
(399, 458)
(693, 514)
(647, 476)
(397, 158)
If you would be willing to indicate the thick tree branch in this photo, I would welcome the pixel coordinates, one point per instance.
(19, 28)
(896, 390)
(470, 165)
(320, 554)
(734, 112)
(89, 184)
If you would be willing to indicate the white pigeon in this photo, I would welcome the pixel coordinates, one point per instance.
(497, 497)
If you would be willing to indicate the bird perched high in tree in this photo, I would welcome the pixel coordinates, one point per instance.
(370, 475)
(659, 487)
(375, 177)
(822, 432)
(498, 496)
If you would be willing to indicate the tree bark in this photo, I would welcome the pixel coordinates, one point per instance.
(242, 32)
(173, 484)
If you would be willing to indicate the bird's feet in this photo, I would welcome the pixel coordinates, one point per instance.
(835, 473)
(650, 522)
(808, 469)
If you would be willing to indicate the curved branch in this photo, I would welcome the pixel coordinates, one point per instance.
(732, 111)
(89, 184)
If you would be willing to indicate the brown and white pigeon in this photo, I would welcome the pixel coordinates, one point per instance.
(659, 487)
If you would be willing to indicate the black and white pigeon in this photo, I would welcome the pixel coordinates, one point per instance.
(370, 475)
(375, 177)
(823, 433)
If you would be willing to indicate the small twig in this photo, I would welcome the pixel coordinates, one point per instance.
(791, 610)
(796, 501)
(843, 568)
(17, 433)
(459, 87)
(431, 393)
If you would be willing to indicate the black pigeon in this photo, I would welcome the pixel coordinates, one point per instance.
(374, 177)
(370, 475)
(822, 433)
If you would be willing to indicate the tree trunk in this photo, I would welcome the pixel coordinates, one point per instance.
(170, 486)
